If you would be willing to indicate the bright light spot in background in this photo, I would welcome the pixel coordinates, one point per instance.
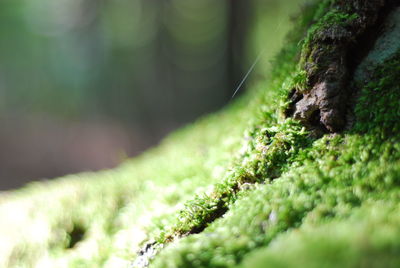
(56, 17)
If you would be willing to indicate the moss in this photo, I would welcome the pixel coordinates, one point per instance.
(376, 111)
(328, 18)
(366, 239)
(331, 20)
(336, 182)
(242, 187)
(116, 207)
(326, 184)
(265, 153)
(331, 50)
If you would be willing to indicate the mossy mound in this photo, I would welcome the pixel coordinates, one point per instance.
(244, 187)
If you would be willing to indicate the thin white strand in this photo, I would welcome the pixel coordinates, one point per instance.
(248, 73)
(254, 63)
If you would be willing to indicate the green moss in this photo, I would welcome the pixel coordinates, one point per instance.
(332, 22)
(331, 19)
(333, 183)
(366, 239)
(116, 207)
(339, 180)
(328, 18)
(243, 187)
(376, 111)
(266, 152)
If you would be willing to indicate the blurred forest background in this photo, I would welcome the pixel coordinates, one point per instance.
(86, 83)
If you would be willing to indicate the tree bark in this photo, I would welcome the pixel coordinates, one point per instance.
(331, 54)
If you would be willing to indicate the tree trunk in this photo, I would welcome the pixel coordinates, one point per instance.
(331, 55)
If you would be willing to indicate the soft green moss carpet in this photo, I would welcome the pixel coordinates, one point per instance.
(242, 187)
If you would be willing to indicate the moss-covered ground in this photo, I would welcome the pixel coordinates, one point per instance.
(242, 187)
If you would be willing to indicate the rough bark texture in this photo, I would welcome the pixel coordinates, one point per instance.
(331, 54)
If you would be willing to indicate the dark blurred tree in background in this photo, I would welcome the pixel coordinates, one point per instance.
(86, 83)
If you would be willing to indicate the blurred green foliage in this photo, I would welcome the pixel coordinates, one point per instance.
(141, 62)
(89, 81)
